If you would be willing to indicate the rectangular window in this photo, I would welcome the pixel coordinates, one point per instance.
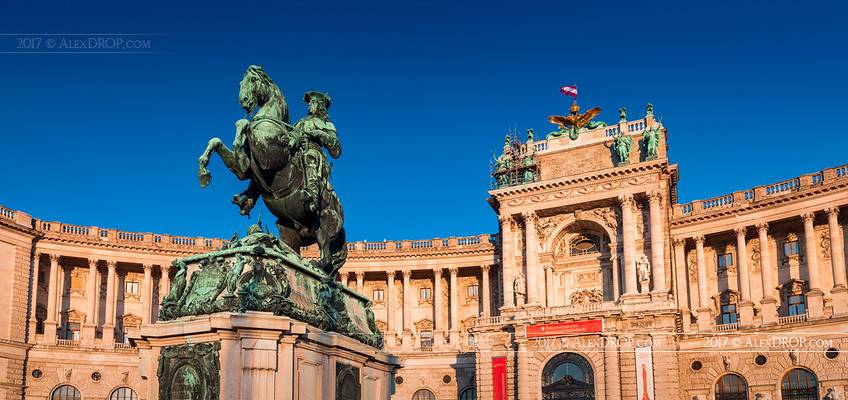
(725, 260)
(425, 293)
(132, 287)
(426, 341)
(796, 305)
(377, 295)
(472, 291)
(728, 313)
(791, 248)
(72, 331)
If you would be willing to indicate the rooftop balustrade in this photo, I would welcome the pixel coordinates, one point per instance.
(742, 198)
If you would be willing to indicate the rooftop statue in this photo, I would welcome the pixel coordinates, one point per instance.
(574, 121)
(286, 166)
(652, 139)
(622, 144)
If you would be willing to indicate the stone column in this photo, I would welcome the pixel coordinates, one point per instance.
(390, 304)
(344, 276)
(407, 311)
(839, 292)
(657, 244)
(438, 327)
(90, 327)
(52, 321)
(612, 375)
(616, 286)
(507, 261)
(815, 295)
(746, 306)
(147, 293)
(549, 286)
(682, 283)
(531, 259)
(485, 294)
(704, 317)
(164, 282)
(360, 282)
(109, 326)
(454, 307)
(33, 300)
(523, 380)
(767, 303)
(628, 234)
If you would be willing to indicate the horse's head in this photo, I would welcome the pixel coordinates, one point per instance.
(256, 88)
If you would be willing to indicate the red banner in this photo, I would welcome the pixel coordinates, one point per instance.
(499, 378)
(565, 328)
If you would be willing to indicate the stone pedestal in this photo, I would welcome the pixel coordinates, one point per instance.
(705, 321)
(769, 311)
(88, 333)
(815, 304)
(257, 355)
(840, 300)
(746, 313)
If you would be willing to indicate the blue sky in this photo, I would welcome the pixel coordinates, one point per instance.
(751, 93)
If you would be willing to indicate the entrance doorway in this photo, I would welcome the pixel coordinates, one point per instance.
(568, 376)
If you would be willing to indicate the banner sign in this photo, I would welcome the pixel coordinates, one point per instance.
(499, 377)
(564, 328)
(644, 374)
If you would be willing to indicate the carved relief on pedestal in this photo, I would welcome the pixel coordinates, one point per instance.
(824, 245)
(754, 251)
(586, 296)
(692, 264)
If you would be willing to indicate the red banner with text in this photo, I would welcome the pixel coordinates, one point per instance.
(499, 377)
(565, 328)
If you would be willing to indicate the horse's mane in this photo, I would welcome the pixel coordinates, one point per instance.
(269, 91)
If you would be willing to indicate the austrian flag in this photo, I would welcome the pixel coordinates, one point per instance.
(569, 90)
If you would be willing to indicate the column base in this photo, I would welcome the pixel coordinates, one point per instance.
(532, 305)
(768, 312)
(391, 339)
(408, 340)
(108, 341)
(634, 298)
(686, 317)
(839, 294)
(705, 320)
(815, 304)
(88, 333)
(506, 309)
(659, 295)
(746, 313)
(50, 328)
(454, 339)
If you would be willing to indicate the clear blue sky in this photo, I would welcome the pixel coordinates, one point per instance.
(751, 92)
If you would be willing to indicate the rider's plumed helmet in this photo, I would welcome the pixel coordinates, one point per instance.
(322, 97)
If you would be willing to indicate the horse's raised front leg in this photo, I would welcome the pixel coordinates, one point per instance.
(230, 159)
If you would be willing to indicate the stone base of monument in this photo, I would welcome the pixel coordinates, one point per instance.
(256, 356)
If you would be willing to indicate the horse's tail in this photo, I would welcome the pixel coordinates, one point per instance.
(338, 247)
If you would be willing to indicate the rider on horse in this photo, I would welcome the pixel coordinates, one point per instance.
(316, 132)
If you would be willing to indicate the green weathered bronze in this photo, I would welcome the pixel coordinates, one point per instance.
(286, 167)
(622, 144)
(652, 139)
(189, 372)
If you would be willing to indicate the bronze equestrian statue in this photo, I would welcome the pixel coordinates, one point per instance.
(286, 166)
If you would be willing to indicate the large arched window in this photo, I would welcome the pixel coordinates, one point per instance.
(468, 394)
(423, 394)
(731, 387)
(66, 392)
(568, 374)
(123, 393)
(799, 384)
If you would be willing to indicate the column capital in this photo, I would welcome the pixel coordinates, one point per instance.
(147, 267)
(165, 268)
(549, 268)
(762, 227)
(699, 239)
(505, 218)
(111, 264)
(832, 211)
(679, 242)
(54, 258)
(485, 268)
(741, 230)
(407, 273)
(92, 263)
(808, 216)
(626, 200)
(529, 216)
(360, 274)
(390, 275)
(453, 270)
(437, 272)
(655, 196)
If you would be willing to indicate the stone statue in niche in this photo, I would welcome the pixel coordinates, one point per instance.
(830, 395)
(520, 287)
(643, 269)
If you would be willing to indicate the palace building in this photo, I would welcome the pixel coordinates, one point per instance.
(598, 284)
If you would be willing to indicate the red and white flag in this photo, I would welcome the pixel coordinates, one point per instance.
(569, 91)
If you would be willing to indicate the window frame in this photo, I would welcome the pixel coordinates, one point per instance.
(425, 293)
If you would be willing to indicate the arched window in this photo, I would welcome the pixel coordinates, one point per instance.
(568, 374)
(468, 394)
(585, 244)
(799, 384)
(123, 393)
(423, 394)
(731, 387)
(66, 392)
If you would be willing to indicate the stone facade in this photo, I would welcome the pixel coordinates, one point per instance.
(750, 284)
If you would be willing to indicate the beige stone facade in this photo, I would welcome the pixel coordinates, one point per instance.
(743, 290)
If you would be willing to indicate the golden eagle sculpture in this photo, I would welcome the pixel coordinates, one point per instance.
(574, 121)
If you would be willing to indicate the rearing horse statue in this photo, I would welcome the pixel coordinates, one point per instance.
(272, 155)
